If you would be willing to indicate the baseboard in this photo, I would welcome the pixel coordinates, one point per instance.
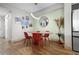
(66, 47)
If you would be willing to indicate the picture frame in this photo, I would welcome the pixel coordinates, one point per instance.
(17, 19)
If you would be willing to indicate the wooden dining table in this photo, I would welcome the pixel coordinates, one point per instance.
(42, 33)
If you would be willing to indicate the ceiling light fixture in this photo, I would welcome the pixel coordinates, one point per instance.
(34, 16)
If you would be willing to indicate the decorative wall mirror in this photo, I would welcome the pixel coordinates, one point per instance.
(43, 21)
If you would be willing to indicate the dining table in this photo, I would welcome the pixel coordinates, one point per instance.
(42, 33)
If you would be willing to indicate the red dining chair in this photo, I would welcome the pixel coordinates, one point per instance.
(46, 37)
(37, 39)
(27, 39)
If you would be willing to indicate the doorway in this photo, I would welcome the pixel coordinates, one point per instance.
(2, 26)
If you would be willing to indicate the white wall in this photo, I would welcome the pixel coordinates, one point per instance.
(67, 25)
(2, 27)
(3, 12)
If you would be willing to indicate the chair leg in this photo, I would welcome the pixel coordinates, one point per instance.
(28, 42)
(40, 44)
(24, 41)
(49, 41)
(31, 42)
(45, 40)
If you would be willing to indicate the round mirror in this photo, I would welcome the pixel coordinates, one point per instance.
(43, 21)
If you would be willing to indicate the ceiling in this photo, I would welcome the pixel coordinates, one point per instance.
(29, 7)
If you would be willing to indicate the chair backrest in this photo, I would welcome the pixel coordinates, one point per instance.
(26, 34)
(37, 37)
(46, 35)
